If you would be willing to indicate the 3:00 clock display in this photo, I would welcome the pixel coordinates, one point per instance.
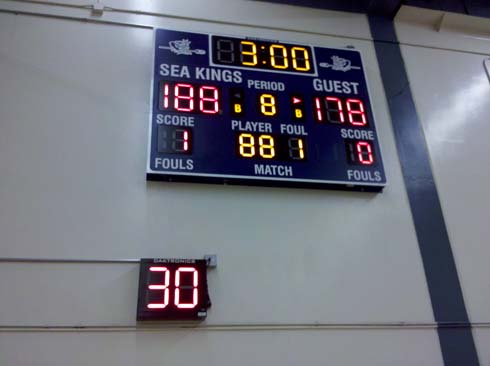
(261, 54)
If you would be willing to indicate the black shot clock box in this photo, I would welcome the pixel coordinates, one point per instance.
(173, 290)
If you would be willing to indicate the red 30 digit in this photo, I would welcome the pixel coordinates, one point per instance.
(193, 272)
(160, 287)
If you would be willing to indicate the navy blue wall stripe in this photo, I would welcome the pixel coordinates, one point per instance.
(457, 344)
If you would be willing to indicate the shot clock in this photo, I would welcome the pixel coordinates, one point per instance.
(243, 110)
(172, 289)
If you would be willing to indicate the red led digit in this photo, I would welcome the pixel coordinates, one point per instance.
(364, 153)
(179, 98)
(186, 140)
(338, 110)
(203, 100)
(165, 95)
(318, 107)
(356, 112)
(194, 287)
(180, 140)
(160, 287)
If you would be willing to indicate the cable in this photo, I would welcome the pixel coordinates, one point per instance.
(155, 327)
(67, 260)
(486, 66)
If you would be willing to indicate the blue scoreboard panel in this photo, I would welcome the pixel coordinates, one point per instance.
(243, 110)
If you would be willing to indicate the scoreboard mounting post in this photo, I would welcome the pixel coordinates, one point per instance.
(243, 110)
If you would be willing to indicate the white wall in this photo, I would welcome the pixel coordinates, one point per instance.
(74, 105)
(453, 108)
(240, 348)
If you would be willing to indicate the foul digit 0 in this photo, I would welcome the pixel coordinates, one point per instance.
(178, 289)
(365, 153)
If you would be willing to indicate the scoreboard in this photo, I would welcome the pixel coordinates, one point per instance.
(243, 110)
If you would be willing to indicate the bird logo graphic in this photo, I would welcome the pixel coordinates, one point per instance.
(182, 47)
(339, 64)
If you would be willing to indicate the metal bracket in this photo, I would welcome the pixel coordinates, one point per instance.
(98, 9)
(211, 260)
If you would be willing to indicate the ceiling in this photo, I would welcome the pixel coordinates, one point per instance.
(388, 8)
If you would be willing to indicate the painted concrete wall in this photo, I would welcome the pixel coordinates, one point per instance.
(452, 96)
(74, 106)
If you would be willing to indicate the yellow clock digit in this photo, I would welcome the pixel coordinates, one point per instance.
(247, 145)
(301, 59)
(279, 56)
(248, 53)
(296, 148)
(266, 146)
(268, 104)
